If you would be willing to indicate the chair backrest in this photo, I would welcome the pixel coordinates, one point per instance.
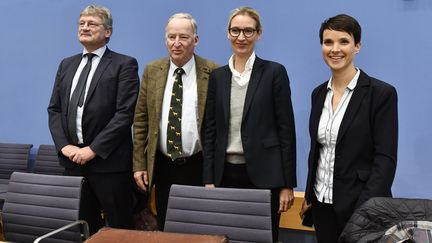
(37, 204)
(47, 161)
(241, 214)
(13, 157)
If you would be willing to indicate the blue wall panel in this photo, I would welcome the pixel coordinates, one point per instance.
(397, 48)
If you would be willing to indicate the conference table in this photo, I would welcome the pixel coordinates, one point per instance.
(111, 235)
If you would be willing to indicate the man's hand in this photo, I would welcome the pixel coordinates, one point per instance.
(286, 199)
(69, 151)
(83, 155)
(141, 179)
(210, 185)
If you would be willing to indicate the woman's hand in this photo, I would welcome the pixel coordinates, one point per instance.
(286, 199)
(305, 207)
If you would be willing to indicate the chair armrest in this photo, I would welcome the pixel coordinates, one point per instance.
(78, 222)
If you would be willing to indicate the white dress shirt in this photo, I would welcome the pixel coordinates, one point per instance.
(189, 123)
(328, 130)
(242, 78)
(95, 62)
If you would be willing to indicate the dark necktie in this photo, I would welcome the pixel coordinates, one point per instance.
(77, 99)
(174, 138)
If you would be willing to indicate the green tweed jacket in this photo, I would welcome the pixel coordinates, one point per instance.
(149, 107)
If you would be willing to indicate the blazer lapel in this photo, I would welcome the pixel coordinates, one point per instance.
(253, 84)
(318, 104)
(69, 75)
(159, 77)
(103, 64)
(226, 92)
(202, 72)
(359, 92)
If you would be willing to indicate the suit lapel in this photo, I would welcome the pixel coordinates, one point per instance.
(359, 93)
(226, 92)
(318, 104)
(103, 64)
(69, 75)
(202, 72)
(253, 84)
(159, 77)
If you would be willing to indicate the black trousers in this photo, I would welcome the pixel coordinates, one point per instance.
(328, 225)
(186, 171)
(107, 192)
(235, 176)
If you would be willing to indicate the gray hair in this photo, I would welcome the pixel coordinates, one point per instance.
(185, 16)
(102, 12)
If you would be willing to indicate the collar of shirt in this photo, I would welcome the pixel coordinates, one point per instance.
(248, 66)
(351, 85)
(99, 52)
(242, 78)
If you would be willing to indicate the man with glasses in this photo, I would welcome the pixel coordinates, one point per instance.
(169, 115)
(90, 117)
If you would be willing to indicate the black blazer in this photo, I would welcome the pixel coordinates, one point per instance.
(108, 111)
(366, 146)
(267, 129)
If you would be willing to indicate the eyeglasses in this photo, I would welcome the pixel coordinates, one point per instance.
(91, 25)
(247, 32)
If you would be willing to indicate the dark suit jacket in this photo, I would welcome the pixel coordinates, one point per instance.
(108, 111)
(366, 146)
(267, 129)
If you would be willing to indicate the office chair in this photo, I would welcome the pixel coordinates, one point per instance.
(13, 157)
(47, 161)
(39, 206)
(241, 214)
